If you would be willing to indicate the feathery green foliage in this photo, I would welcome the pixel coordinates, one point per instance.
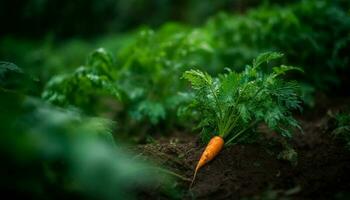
(313, 35)
(52, 151)
(151, 65)
(144, 75)
(232, 104)
(82, 87)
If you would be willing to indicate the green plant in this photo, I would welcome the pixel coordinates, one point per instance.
(342, 127)
(232, 105)
(85, 85)
(55, 152)
(151, 65)
(312, 34)
(144, 77)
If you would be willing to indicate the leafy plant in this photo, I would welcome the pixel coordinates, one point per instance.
(312, 34)
(51, 152)
(342, 127)
(151, 65)
(83, 87)
(143, 79)
(232, 104)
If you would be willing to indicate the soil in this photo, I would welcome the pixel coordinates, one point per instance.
(252, 171)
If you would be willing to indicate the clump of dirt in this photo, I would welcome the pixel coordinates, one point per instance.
(253, 171)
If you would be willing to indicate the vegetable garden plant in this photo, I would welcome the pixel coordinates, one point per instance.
(233, 104)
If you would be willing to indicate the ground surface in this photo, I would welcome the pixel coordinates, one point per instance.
(253, 171)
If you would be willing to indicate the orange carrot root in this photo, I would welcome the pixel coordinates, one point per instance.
(211, 151)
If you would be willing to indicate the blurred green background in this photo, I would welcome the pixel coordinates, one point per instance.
(65, 19)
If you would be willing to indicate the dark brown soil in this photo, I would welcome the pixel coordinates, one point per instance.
(253, 171)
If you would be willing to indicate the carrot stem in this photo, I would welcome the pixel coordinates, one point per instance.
(239, 133)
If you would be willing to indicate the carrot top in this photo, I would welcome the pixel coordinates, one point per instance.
(232, 104)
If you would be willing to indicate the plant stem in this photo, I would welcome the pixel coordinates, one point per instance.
(242, 131)
(216, 100)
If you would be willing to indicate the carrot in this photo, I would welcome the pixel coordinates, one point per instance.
(211, 151)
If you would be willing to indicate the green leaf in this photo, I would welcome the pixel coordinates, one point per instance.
(101, 61)
(198, 79)
(266, 57)
(281, 70)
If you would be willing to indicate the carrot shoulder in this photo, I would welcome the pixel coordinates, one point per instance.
(211, 151)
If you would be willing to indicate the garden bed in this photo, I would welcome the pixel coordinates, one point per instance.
(253, 170)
